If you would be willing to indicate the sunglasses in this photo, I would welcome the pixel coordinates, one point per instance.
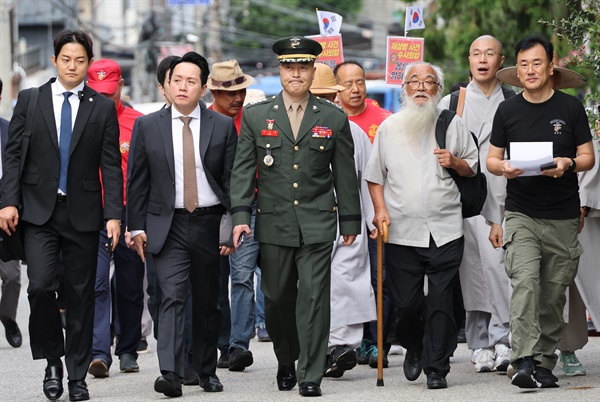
(227, 84)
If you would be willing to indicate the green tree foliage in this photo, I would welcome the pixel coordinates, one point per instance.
(580, 28)
(453, 24)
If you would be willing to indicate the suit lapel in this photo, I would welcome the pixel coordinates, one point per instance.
(86, 105)
(165, 129)
(311, 117)
(207, 125)
(47, 108)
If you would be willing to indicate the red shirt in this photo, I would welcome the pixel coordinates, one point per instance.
(237, 122)
(126, 117)
(370, 119)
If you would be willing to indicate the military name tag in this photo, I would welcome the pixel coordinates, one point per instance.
(269, 133)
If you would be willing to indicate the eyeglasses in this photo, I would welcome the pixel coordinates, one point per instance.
(487, 53)
(417, 84)
(227, 84)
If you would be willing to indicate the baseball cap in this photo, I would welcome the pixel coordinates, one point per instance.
(104, 76)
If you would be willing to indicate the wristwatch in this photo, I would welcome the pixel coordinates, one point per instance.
(572, 166)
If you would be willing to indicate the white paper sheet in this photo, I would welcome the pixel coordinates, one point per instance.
(529, 156)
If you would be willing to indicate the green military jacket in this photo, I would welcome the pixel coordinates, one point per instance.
(303, 184)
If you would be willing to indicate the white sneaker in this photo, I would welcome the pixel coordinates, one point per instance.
(502, 358)
(485, 361)
(396, 350)
(475, 354)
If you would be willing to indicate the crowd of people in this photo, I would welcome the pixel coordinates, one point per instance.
(295, 189)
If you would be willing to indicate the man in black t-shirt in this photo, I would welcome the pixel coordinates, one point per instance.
(542, 212)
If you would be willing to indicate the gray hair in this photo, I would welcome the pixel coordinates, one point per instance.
(437, 70)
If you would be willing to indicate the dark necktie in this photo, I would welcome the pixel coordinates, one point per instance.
(66, 130)
(190, 187)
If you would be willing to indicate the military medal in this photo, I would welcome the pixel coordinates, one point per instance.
(270, 123)
(268, 159)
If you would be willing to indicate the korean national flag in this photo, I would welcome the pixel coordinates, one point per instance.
(414, 18)
(329, 23)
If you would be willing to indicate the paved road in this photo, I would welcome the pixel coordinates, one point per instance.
(21, 379)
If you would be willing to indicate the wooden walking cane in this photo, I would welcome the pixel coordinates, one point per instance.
(382, 237)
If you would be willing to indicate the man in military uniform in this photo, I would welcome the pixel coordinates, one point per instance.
(303, 149)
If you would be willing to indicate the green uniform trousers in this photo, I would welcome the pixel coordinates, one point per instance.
(541, 261)
(296, 283)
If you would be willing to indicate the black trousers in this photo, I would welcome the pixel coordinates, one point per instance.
(43, 244)
(191, 251)
(425, 323)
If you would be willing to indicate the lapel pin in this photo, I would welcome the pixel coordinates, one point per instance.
(91, 100)
(314, 107)
(276, 107)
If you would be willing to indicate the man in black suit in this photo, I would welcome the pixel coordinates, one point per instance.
(58, 200)
(177, 193)
(10, 273)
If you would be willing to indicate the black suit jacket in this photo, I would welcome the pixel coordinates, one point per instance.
(3, 133)
(151, 180)
(94, 148)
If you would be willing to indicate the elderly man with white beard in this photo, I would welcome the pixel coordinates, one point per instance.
(415, 195)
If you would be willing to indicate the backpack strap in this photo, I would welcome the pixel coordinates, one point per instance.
(453, 101)
(461, 101)
(508, 93)
(441, 127)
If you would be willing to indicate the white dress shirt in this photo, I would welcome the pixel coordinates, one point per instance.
(57, 102)
(206, 196)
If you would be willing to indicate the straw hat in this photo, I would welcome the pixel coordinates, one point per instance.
(563, 77)
(254, 95)
(324, 81)
(228, 76)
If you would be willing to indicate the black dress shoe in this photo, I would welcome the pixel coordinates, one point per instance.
(190, 377)
(168, 384)
(13, 334)
(309, 389)
(436, 381)
(78, 391)
(53, 387)
(211, 383)
(239, 359)
(412, 364)
(286, 377)
(128, 363)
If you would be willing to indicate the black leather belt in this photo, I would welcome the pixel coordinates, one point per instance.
(61, 198)
(215, 209)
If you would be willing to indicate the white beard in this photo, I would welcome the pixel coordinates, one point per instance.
(417, 120)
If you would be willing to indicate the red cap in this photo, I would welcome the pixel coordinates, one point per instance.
(104, 76)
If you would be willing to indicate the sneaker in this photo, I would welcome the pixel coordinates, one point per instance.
(98, 368)
(373, 358)
(223, 361)
(396, 350)
(545, 378)
(570, 364)
(484, 363)
(342, 358)
(363, 352)
(502, 358)
(523, 377)
(475, 354)
(263, 335)
(143, 346)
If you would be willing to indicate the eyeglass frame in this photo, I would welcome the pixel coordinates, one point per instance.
(488, 53)
(426, 84)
